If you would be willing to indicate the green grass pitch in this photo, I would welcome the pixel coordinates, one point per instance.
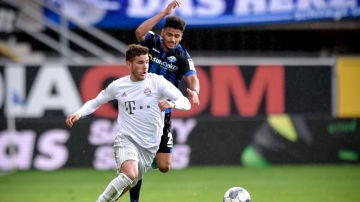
(195, 184)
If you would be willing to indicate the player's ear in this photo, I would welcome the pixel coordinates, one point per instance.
(181, 35)
(128, 63)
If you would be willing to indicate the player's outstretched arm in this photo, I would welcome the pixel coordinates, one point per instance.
(71, 119)
(165, 104)
(172, 5)
(181, 103)
(193, 88)
(147, 25)
(193, 96)
(88, 108)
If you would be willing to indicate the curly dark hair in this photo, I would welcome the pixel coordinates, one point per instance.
(175, 22)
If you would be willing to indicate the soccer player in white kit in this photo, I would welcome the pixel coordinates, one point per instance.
(142, 100)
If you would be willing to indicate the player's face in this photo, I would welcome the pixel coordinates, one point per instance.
(139, 66)
(171, 37)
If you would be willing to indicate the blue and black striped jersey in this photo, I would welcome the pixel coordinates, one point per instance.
(172, 64)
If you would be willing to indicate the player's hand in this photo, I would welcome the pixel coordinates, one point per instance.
(71, 119)
(193, 96)
(169, 9)
(165, 104)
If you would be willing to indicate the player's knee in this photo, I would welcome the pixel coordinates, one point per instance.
(131, 175)
(130, 172)
(164, 167)
(164, 170)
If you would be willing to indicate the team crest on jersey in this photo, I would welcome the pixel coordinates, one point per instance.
(171, 59)
(147, 91)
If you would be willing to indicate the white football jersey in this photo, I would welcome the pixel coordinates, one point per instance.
(140, 118)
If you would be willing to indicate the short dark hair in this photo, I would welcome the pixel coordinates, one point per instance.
(135, 50)
(175, 22)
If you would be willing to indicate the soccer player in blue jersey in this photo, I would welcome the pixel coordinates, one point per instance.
(169, 59)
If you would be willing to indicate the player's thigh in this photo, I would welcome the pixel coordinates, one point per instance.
(127, 158)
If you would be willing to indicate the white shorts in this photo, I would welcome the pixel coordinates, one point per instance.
(125, 149)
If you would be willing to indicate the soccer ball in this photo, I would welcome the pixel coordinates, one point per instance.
(237, 194)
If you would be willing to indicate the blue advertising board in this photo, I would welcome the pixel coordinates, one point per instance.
(128, 14)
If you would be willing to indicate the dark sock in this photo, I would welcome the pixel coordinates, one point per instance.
(135, 192)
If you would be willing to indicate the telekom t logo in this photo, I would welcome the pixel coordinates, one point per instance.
(130, 106)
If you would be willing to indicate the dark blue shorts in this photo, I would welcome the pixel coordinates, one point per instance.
(167, 142)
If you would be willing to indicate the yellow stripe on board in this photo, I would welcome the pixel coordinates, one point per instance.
(348, 74)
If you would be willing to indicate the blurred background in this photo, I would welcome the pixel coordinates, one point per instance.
(280, 81)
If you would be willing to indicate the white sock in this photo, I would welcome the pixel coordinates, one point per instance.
(115, 188)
